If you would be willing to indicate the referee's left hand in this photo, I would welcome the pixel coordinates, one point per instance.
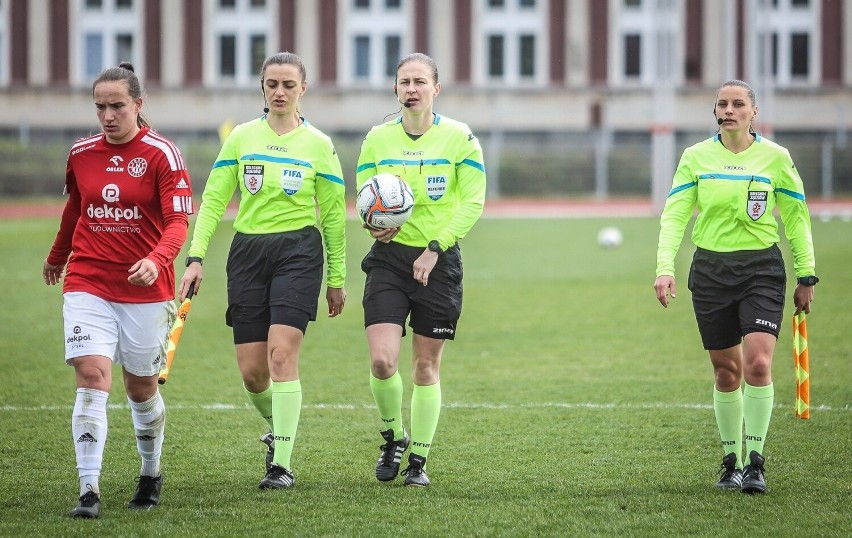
(336, 298)
(803, 296)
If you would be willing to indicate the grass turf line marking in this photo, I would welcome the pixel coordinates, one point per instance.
(458, 405)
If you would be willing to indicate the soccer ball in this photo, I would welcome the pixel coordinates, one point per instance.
(385, 201)
(609, 237)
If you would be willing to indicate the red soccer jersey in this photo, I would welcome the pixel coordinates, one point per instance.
(126, 202)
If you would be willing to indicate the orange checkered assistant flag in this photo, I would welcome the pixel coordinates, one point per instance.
(803, 371)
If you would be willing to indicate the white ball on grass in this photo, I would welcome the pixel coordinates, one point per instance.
(609, 237)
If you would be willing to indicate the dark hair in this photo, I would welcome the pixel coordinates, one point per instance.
(420, 57)
(124, 72)
(284, 58)
(739, 84)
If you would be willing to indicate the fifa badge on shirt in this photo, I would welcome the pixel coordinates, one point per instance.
(756, 204)
(436, 186)
(291, 180)
(253, 177)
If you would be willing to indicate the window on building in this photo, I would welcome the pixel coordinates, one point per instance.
(123, 48)
(227, 55)
(240, 33)
(799, 53)
(509, 44)
(633, 3)
(104, 35)
(788, 54)
(496, 55)
(393, 51)
(257, 53)
(94, 55)
(377, 34)
(527, 53)
(362, 56)
(632, 56)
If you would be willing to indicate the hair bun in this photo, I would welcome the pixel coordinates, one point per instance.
(128, 66)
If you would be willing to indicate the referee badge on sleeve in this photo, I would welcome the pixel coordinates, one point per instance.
(756, 204)
(253, 177)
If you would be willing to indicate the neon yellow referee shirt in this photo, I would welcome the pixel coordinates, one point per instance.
(444, 169)
(735, 195)
(281, 179)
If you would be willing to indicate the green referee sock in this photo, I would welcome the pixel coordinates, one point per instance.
(286, 407)
(425, 410)
(262, 401)
(387, 394)
(728, 407)
(757, 410)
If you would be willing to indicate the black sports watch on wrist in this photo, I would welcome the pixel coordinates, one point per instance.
(809, 280)
(434, 246)
(193, 259)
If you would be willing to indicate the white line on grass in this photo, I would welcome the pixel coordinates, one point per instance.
(456, 405)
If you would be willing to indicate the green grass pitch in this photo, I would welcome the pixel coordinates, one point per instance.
(574, 405)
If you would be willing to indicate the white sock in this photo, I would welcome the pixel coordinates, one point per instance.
(149, 423)
(89, 431)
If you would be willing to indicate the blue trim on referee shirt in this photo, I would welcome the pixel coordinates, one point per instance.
(682, 187)
(333, 179)
(271, 159)
(793, 194)
(736, 177)
(478, 166)
(228, 162)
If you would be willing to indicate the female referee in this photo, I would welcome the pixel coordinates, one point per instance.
(735, 180)
(284, 167)
(416, 270)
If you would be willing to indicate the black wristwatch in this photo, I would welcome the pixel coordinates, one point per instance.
(809, 280)
(434, 246)
(193, 259)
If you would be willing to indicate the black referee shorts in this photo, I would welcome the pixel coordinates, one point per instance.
(391, 293)
(736, 293)
(273, 279)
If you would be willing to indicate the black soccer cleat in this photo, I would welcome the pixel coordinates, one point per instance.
(415, 474)
(277, 478)
(89, 506)
(269, 440)
(388, 465)
(732, 478)
(147, 494)
(753, 479)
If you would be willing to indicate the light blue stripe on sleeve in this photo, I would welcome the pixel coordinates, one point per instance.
(683, 187)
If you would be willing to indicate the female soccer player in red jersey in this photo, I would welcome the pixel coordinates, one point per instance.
(125, 221)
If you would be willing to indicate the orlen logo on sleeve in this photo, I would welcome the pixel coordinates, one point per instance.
(110, 193)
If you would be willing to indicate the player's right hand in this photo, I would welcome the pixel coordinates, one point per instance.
(665, 285)
(52, 274)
